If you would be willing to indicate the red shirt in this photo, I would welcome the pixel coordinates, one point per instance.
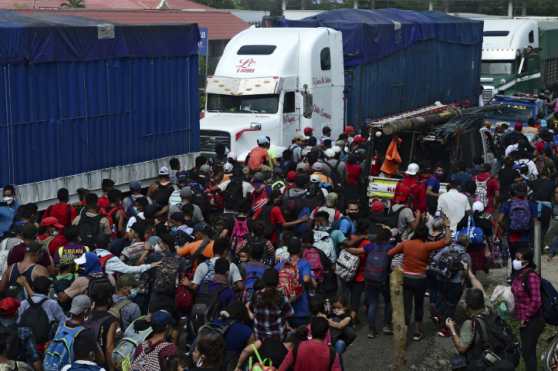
(492, 187)
(353, 174)
(312, 355)
(417, 191)
(256, 158)
(359, 276)
(62, 211)
(277, 221)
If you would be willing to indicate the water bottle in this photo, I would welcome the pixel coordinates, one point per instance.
(327, 306)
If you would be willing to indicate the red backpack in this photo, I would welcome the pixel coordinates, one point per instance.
(312, 255)
(111, 219)
(289, 282)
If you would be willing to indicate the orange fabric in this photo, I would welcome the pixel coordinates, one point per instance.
(393, 158)
(191, 248)
(415, 255)
(257, 157)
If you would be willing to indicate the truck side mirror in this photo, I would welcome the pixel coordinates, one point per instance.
(307, 103)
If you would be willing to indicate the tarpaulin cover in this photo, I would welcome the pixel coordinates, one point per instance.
(369, 35)
(41, 38)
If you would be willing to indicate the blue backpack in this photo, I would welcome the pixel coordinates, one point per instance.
(474, 234)
(254, 272)
(60, 351)
(520, 216)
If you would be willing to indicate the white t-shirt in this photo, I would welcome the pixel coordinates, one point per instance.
(206, 270)
(453, 204)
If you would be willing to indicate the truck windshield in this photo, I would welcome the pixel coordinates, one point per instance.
(496, 68)
(511, 113)
(265, 103)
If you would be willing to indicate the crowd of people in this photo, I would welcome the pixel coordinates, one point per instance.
(273, 264)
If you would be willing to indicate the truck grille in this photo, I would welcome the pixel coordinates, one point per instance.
(209, 138)
(487, 95)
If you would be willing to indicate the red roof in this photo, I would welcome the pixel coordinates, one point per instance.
(103, 4)
(221, 25)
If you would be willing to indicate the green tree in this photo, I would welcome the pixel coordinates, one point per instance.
(73, 4)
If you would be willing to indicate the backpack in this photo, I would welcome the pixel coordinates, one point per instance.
(234, 195)
(314, 196)
(261, 364)
(95, 324)
(89, 228)
(113, 221)
(519, 216)
(495, 336)
(96, 281)
(116, 310)
(254, 272)
(346, 265)
(291, 205)
(549, 297)
(206, 305)
(312, 255)
(37, 320)
(264, 215)
(376, 269)
(474, 234)
(148, 357)
(165, 276)
(268, 258)
(392, 217)
(239, 234)
(323, 241)
(448, 264)
(124, 351)
(482, 191)
(289, 282)
(60, 350)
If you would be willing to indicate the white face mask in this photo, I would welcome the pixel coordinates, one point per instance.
(8, 199)
(157, 248)
(517, 265)
(54, 232)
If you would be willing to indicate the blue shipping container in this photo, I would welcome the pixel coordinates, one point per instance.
(78, 96)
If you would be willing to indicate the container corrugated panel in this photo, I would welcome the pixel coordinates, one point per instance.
(60, 119)
(428, 71)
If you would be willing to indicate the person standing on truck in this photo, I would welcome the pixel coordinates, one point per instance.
(62, 211)
(8, 207)
(258, 159)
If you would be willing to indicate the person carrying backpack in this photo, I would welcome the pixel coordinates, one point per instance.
(85, 354)
(484, 342)
(39, 313)
(517, 217)
(123, 308)
(253, 271)
(91, 223)
(156, 352)
(526, 289)
(60, 351)
(295, 274)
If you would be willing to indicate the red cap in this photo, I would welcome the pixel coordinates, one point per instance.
(349, 130)
(9, 306)
(539, 147)
(308, 131)
(358, 139)
(377, 207)
(518, 126)
(291, 176)
(51, 221)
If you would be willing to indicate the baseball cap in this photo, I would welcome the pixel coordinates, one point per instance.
(331, 199)
(186, 192)
(80, 304)
(228, 168)
(349, 130)
(51, 221)
(299, 136)
(478, 206)
(8, 306)
(412, 169)
(337, 149)
(86, 256)
(164, 171)
(205, 168)
(291, 175)
(127, 280)
(358, 139)
(314, 178)
(135, 186)
(318, 166)
(308, 131)
(160, 319)
(377, 207)
(263, 140)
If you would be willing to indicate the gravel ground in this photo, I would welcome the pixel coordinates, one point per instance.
(433, 352)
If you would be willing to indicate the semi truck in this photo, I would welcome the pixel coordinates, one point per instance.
(84, 100)
(519, 56)
(336, 68)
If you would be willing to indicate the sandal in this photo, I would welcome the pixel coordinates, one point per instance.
(417, 336)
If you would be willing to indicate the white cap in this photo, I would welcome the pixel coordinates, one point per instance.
(478, 206)
(263, 140)
(315, 178)
(329, 153)
(81, 260)
(412, 169)
(228, 167)
(164, 171)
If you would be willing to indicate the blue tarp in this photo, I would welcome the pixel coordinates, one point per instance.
(369, 35)
(40, 38)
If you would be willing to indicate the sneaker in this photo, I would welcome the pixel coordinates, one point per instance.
(372, 334)
(444, 332)
(387, 330)
(417, 336)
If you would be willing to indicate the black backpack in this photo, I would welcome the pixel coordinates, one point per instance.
(233, 197)
(492, 334)
(89, 228)
(206, 305)
(37, 320)
(449, 264)
(98, 281)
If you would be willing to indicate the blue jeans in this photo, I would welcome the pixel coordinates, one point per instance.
(340, 346)
(373, 293)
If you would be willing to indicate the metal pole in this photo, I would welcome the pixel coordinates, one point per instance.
(537, 238)
(430, 5)
(355, 4)
(510, 8)
(284, 5)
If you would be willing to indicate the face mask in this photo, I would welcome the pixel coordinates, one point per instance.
(517, 265)
(54, 233)
(338, 312)
(9, 200)
(157, 248)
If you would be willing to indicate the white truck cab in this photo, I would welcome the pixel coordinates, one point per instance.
(274, 82)
(506, 67)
